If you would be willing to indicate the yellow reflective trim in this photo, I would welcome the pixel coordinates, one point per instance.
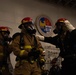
(4, 29)
(41, 48)
(42, 59)
(1, 53)
(61, 21)
(32, 61)
(25, 21)
(21, 52)
(27, 47)
(3, 68)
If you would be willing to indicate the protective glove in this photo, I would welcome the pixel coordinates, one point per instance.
(32, 52)
(42, 62)
(69, 26)
(35, 53)
(41, 38)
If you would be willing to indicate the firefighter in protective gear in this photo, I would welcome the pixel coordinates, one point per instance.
(27, 49)
(5, 51)
(66, 41)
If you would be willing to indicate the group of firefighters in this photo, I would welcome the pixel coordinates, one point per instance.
(30, 55)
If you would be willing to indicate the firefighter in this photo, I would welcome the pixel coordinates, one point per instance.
(65, 39)
(5, 51)
(27, 49)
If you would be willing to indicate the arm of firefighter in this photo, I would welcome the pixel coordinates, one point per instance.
(16, 48)
(52, 40)
(45, 39)
(42, 59)
(69, 26)
(39, 45)
(41, 38)
(42, 52)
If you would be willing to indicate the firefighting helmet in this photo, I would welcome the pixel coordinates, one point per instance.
(4, 29)
(61, 20)
(26, 20)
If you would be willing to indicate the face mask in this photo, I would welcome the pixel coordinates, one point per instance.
(59, 28)
(30, 29)
(57, 31)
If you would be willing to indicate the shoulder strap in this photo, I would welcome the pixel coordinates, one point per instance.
(21, 41)
(35, 43)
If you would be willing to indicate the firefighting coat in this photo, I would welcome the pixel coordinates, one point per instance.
(67, 45)
(28, 43)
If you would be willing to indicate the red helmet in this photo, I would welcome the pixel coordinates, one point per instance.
(4, 29)
(61, 20)
(25, 20)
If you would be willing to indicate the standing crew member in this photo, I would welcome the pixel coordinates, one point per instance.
(28, 50)
(5, 51)
(66, 41)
